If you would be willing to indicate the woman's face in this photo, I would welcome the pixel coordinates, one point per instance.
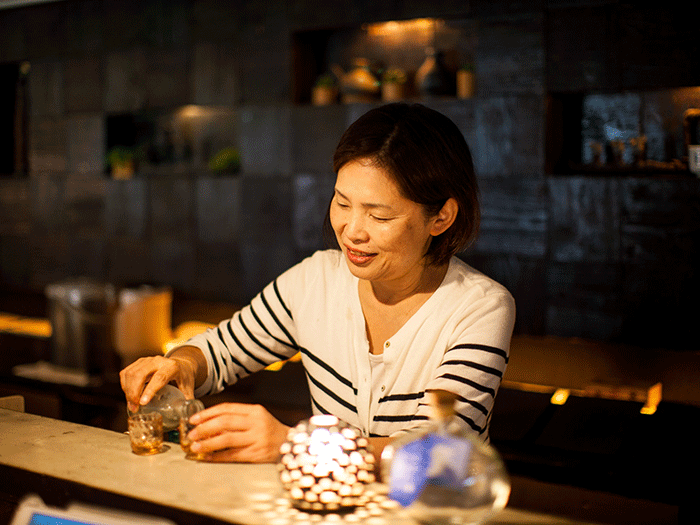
(383, 235)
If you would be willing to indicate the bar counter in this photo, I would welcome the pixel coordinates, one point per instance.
(65, 463)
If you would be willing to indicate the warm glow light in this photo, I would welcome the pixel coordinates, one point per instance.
(30, 326)
(560, 396)
(183, 332)
(191, 111)
(402, 26)
(653, 400)
(325, 464)
(651, 395)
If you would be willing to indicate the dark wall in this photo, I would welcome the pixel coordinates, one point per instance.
(611, 258)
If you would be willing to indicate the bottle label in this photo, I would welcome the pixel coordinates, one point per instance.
(431, 460)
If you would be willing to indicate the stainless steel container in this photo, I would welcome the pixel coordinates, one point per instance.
(81, 312)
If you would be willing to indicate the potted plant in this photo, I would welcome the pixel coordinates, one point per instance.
(226, 161)
(325, 90)
(121, 161)
(393, 84)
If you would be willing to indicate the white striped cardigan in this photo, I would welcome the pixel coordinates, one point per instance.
(458, 341)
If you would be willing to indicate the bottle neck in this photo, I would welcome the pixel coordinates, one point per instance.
(442, 408)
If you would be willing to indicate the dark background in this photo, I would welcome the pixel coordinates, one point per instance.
(608, 256)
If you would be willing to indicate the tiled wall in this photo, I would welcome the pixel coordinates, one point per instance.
(584, 256)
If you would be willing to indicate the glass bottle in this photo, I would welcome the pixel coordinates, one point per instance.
(168, 401)
(443, 473)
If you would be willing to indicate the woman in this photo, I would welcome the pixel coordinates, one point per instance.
(390, 314)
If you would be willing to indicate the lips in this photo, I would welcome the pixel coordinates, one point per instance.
(357, 256)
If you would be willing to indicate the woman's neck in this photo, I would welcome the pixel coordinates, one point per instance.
(396, 291)
(388, 306)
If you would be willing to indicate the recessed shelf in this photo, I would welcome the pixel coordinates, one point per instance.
(398, 44)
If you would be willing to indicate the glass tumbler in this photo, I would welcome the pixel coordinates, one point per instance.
(146, 433)
(188, 408)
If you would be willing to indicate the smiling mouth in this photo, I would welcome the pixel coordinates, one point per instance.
(358, 257)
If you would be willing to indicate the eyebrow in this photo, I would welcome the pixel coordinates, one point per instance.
(370, 205)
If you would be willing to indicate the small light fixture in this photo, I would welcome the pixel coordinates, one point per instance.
(326, 465)
(560, 396)
(653, 400)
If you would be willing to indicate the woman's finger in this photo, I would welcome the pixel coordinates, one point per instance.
(143, 378)
(221, 409)
(224, 440)
(165, 371)
(219, 425)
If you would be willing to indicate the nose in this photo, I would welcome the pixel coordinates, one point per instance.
(355, 230)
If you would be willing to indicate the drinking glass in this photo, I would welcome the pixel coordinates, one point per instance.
(188, 408)
(146, 433)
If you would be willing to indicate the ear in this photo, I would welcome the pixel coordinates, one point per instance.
(445, 217)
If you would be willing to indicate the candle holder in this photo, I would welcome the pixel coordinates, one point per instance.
(326, 465)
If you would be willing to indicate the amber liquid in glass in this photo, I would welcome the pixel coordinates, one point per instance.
(146, 433)
(146, 447)
(185, 443)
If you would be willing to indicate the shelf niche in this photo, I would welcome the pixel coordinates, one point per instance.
(583, 130)
(401, 44)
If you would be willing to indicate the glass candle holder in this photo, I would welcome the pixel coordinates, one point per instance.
(146, 433)
(326, 465)
(188, 408)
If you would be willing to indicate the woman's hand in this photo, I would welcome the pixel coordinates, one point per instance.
(236, 432)
(144, 377)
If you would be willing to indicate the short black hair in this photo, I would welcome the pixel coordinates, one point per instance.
(427, 156)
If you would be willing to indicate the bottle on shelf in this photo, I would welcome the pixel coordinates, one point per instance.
(433, 78)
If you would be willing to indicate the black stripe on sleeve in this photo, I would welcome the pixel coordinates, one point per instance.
(217, 369)
(243, 349)
(279, 323)
(257, 342)
(267, 331)
(279, 297)
(230, 355)
(469, 421)
(476, 366)
(481, 408)
(483, 348)
(471, 383)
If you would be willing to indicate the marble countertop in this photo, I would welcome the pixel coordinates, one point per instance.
(236, 493)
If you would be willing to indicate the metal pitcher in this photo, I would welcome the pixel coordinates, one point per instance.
(81, 312)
